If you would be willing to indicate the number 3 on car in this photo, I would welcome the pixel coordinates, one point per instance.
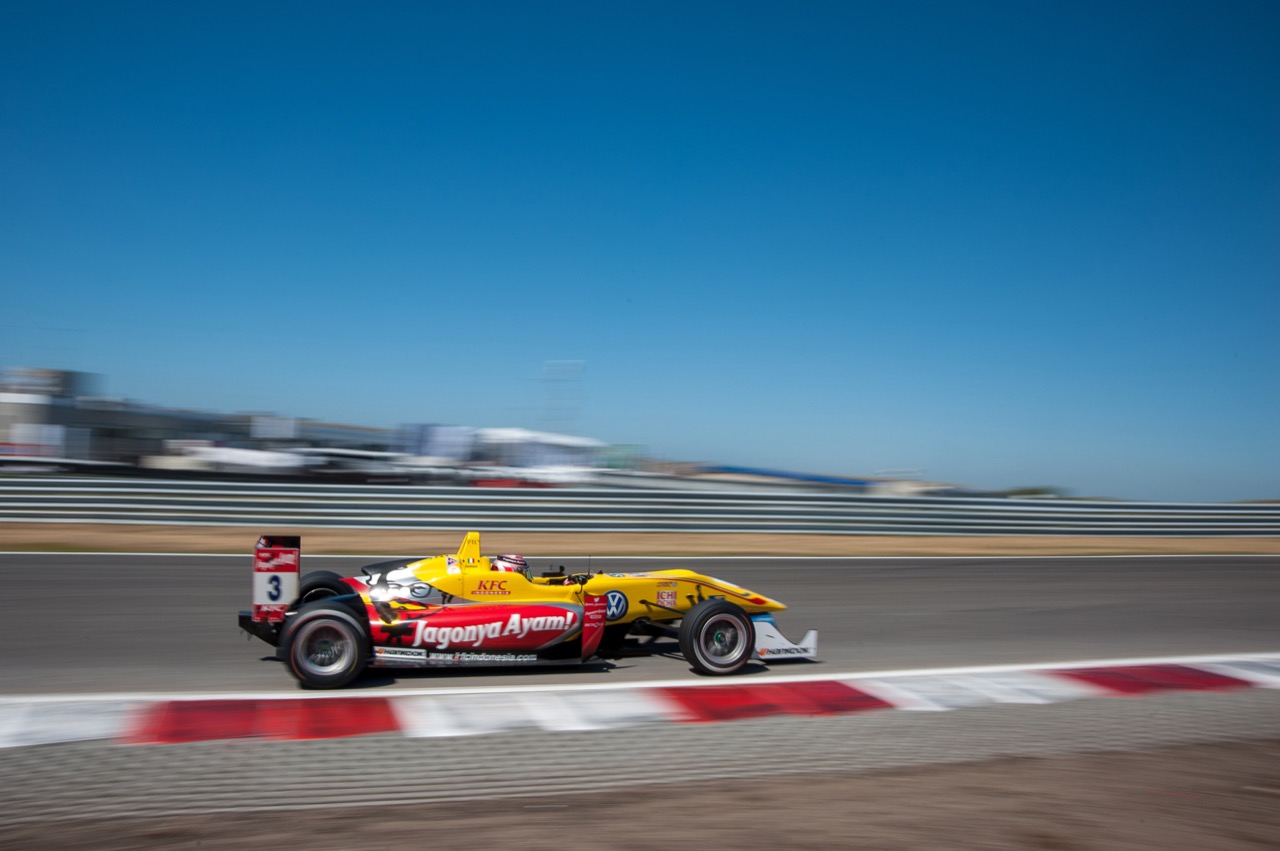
(275, 577)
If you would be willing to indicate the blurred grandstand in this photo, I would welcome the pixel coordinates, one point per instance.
(56, 420)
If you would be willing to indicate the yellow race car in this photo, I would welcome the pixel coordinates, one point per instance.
(465, 609)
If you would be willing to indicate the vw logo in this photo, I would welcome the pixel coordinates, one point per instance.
(615, 605)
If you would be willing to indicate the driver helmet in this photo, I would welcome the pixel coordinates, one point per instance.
(511, 563)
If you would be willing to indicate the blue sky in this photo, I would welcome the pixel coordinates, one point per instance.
(1003, 243)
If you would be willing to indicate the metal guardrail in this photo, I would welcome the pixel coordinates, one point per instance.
(272, 505)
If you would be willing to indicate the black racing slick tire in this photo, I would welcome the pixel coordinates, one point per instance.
(320, 585)
(717, 637)
(325, 646)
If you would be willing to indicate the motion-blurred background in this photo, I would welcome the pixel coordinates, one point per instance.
(991, 246)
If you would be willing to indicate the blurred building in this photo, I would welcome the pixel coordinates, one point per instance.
(57, 414)
(440, 444)
(518, 447)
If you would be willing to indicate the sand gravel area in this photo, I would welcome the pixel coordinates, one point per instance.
(1207, 797)
(74, 537)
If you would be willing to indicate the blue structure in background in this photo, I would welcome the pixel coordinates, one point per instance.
(783, 474)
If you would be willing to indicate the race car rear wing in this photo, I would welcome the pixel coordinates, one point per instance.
(275, 576)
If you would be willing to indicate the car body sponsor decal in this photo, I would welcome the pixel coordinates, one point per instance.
(462, 658)
(667, 598)
(492, 587)
(497, 628)
(399, 655)
(785, 651)
(275, 582)
(272, 560)
(615, 605)
(474, 635)
(593, 620)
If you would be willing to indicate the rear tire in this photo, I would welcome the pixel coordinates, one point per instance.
(717, 637)
(325, 646)
(320, 585)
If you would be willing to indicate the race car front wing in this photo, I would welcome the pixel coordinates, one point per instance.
(773, 646)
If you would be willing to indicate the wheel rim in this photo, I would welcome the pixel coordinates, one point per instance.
(323, 648)
(721, 639)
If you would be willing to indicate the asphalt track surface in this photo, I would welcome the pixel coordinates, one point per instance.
(92, 623)
(77, 624)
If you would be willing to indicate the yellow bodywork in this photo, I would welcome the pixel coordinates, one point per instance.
(658, 595)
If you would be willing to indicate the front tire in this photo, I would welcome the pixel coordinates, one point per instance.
(717, 637)
(324, 646)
